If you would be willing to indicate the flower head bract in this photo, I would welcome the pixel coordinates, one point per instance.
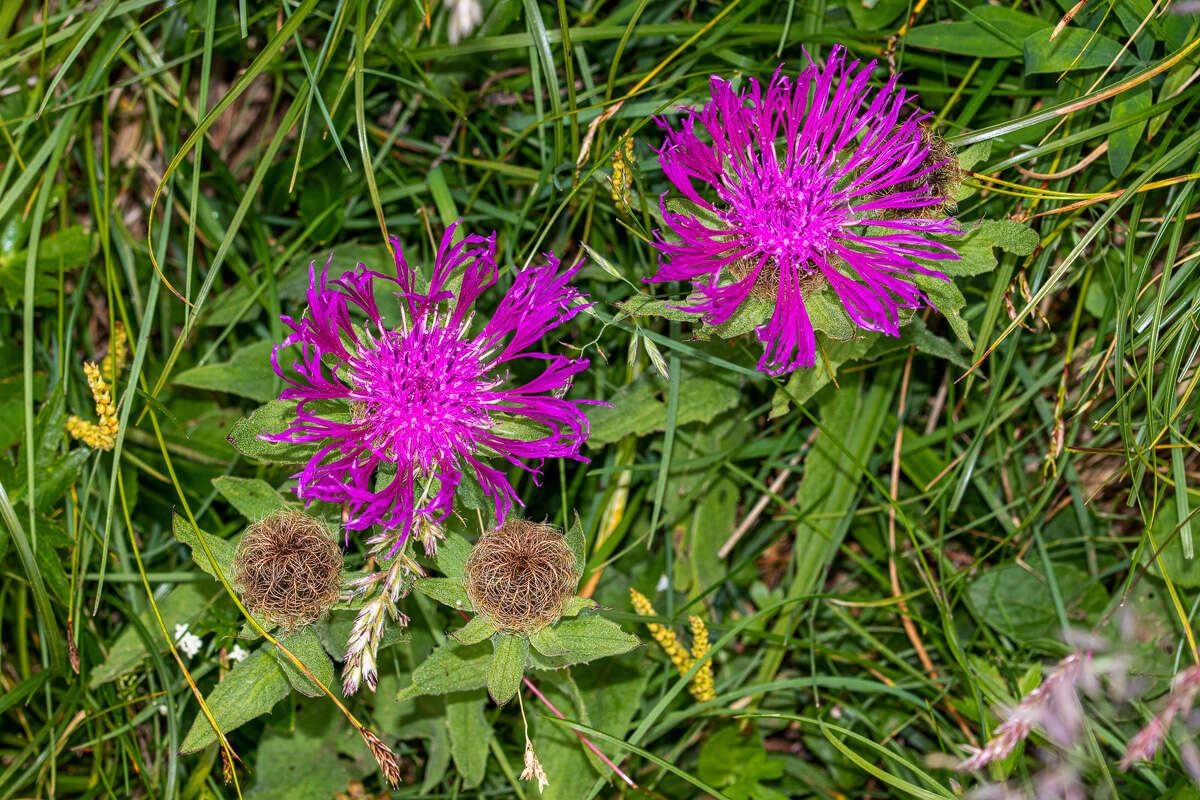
(430, 394)
(807, 181)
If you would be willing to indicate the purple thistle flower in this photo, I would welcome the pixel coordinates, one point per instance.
(811, 177)
(427, 395)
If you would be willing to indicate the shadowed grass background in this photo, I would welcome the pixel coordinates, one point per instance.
(883, 564)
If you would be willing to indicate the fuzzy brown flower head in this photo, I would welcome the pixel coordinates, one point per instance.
(520, 575)
(288, 569)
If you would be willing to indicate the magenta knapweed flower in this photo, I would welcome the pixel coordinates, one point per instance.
(428, 398)
(807, 178)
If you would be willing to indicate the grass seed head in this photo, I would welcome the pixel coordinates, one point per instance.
(288, 569)
(520, 575)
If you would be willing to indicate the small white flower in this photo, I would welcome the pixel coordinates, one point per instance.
(663, 583)
(237, 653)
(465, 15)
(180, 631)
(162, 709)
(190, 644)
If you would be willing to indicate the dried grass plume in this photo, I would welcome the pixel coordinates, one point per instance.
(288, 569)
(520, 575)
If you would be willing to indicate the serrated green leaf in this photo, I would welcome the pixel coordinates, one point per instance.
(222, 549)
(470, 733)
(305, 646)
(645, 306)
(578, 604)
(949, 302)
(251, 688)
(253, 498)
(638, 409)
(448, 591)
(1007, 234)
(577, 541)
(452, 554)
(976, 153)
(285, 767)
(478, 628)
(753, 312)
(274, 417)
(247, 374)
(828, 314)
(548, 643)
(506, 667)
(586, 638)
(451, 667)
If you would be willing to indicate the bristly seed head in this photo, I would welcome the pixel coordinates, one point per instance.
(520, 575)
(288, 569)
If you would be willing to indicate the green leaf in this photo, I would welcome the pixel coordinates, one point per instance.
(645, 306)
(183, 605)
(1174, 83)
(577, 541)
(548, 643)
(606, 696)
(451, 667)
(478, 628)
(1122, 143)
(638, 409)
(753, 312)
(305, 646)
(827, 313)
(303, 763)
(470, 733)
(1073, 48)
(949, 301)
(506, 667)
(975, 154)
(247, 374)
(578, 604)
(873, 16)
(961, 38)
(452, 554)
(1018, 602)
(585, 638)
(253, 498)
(274, 417)
(1183, 571)
(62, 250)
(251, 689)
(803, 384)
(222, 549)
(448, 591)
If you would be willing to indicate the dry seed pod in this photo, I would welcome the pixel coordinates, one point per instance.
(520, 575)
(288, 569)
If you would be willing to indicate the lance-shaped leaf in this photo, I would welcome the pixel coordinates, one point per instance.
(506, 667)
(450, 591)
(480, 627)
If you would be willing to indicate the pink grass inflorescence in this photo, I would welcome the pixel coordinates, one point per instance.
(803, 183)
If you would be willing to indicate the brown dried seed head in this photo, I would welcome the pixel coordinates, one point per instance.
(288, 569)
(520, 575)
